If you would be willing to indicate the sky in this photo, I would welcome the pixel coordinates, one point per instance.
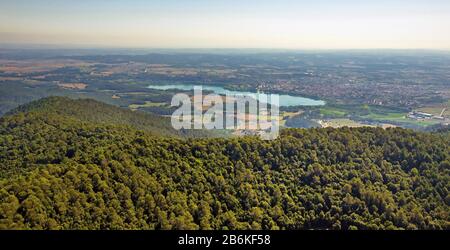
(283, 24)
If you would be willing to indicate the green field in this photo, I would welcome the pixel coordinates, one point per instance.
(398, 118)
(333, 111)
(372, 113)
(146, 105)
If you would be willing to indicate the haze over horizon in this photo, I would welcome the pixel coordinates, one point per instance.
(284, 24)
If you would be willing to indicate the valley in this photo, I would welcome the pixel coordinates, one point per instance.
(377, 90)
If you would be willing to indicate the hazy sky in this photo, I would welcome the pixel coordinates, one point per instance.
(318, 24)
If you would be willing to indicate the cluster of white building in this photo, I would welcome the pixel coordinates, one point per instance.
(416, 115)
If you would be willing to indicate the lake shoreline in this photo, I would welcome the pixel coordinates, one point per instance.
(284, 99)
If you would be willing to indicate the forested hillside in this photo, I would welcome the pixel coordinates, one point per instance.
(89, 110)
(63, 170)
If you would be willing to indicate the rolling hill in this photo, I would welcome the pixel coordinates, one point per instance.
(89, 110)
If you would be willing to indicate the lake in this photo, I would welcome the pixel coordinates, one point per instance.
(285, 100)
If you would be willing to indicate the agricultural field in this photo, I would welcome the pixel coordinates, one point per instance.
(437, 109)
(338, 123)
(329, 111)
(400, 118)
(147, 104)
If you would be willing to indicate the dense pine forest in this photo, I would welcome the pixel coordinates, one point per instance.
(81, 164)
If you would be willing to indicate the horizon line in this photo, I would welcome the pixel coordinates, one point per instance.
(57, 46)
